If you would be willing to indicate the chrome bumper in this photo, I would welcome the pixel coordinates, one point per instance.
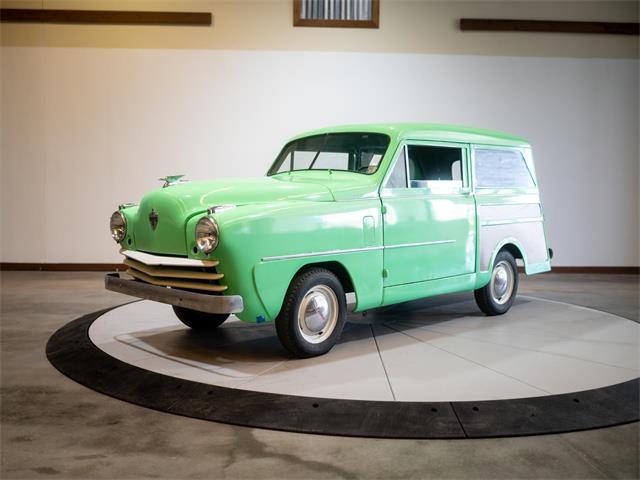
(174, 296)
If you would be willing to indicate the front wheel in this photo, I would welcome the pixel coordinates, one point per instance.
(200, 321)
(498, 295)
(313, 314)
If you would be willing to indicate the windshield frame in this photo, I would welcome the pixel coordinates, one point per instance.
(280, 158)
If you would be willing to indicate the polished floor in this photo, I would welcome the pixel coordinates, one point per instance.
(53, 427)
(432, 353)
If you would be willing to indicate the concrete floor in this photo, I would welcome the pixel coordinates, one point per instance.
(53, 427)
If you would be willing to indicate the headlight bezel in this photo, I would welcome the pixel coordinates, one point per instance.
(119, 231)
(207, 235)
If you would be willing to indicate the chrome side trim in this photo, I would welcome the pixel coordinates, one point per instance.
(420, 244)
(490, 223)
(493, 204)
(353, 250)
(174, 296)
(318, 254)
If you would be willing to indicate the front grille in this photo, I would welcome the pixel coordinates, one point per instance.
(174, 272)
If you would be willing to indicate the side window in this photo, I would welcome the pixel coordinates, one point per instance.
(435, 167)
(398, 177)
(497, 168)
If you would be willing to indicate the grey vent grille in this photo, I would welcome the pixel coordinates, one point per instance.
(336, 9)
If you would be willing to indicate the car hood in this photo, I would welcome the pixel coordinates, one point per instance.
(186, 199)
(171, 207)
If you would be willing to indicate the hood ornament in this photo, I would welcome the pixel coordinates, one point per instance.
(153, 219)
(172, 180)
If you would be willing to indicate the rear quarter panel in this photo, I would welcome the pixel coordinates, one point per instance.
(511, 216)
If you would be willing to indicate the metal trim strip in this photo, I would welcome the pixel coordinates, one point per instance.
(419, 244)
(353, 250)
(492, 223)
(158, 260)
(169, 273)
(318, 254)
(169, 282)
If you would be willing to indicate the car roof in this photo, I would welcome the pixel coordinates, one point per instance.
(427, 131)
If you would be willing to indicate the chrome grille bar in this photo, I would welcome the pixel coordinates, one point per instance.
(167, 282)
(175, 272)
(171, 272)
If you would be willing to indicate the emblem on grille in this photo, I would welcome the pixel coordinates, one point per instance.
(153, 219)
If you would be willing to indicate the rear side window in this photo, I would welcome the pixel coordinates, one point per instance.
(501, 168)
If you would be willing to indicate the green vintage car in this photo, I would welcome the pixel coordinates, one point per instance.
(346, 217)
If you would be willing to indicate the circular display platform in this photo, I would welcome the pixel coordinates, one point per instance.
(431, 369)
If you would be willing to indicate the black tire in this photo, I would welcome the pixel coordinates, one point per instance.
(200, 321)
(290, 332)
(486, 298)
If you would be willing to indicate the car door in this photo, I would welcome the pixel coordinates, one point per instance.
(429, 214)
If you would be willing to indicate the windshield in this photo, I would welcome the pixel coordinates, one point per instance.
(351, 152)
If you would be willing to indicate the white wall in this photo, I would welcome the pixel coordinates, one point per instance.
(416, 26)
(86, 129)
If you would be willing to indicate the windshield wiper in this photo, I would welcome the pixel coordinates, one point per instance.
(326, 137)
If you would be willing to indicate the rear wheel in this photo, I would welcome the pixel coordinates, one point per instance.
(313, 314)
(498, 295)
(200, 321)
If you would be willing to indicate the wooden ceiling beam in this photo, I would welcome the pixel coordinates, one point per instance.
(549, 26)
(105, 17)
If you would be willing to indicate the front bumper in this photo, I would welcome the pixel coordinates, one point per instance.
(173, 296)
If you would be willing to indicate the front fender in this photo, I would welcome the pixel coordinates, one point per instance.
(131, 216)
(263, 246)
(358, 265)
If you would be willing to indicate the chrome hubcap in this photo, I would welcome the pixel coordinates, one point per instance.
(502, 281)
(318, 314)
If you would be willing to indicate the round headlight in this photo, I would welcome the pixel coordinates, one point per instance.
(207, 235)
(118, 226)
